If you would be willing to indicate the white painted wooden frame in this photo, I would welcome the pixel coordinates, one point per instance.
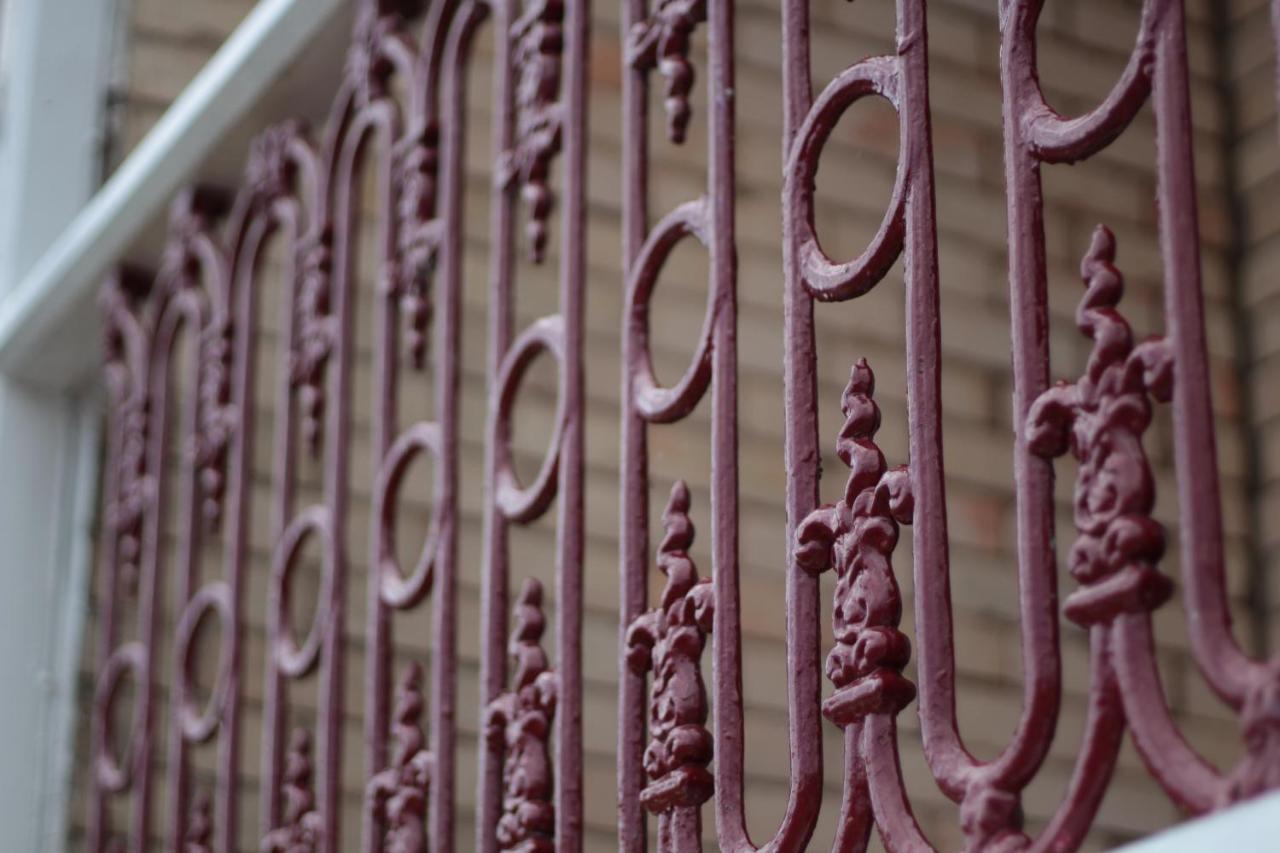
(50, 103)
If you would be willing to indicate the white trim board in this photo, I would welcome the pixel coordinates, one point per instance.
(50, 340)
(48, 321)
(1251, 827)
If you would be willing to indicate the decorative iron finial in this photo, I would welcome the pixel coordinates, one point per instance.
(856, 537)
(538, 39)
(669, 641)
(520, 721)
(1101, 418)
(303, 828)
(314, 336)
(191, 241)
(398, 794)
(125, 343)
(271, 170)
(368, 64)
(410, 273)
(199, 835)
(217, 420)
(662, 41)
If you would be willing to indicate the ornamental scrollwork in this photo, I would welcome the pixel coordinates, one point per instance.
(520, 722)
(198, 837)
(217, 420)
(662, 41)
(190, 217)
(368, 64)
(270, 171)
(537, 37)
(314, 334)
(124, 345)
(1101, 418)
(303, 828)
(398, 794)
(407, 277)
(856, 537)
(669, 641)
(191, 226)
(1259, 770)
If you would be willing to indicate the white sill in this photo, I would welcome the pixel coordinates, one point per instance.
(1252, 827)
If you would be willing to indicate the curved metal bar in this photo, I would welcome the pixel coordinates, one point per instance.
(824, 279)
(1055, 139)
(1229, 671)
(520, 503)
(296, 660)
(198, 725)
(1187, 777)
(396, 590)
(1099, 750)
(894, 818)
(654, 402)
(114, 773)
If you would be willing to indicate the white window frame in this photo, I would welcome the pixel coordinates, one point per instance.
(58, 239)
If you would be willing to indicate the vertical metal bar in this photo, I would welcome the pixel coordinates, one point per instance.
(1224, 666)
(727, 635)
(633, 520)
(283, 487)
(1033, 476)
(448, 354)
(494, 601)
(569, 548)
(378, 655)
(802, 456)
(337, 438)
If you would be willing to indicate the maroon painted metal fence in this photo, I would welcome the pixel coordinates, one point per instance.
(672, 758)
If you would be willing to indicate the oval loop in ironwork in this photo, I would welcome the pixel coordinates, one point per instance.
(394, 588)
(656, 403)
(1056, 139)
(517, 502)
(114, 772)
(294, 660)
(199, 725)
(823, 278)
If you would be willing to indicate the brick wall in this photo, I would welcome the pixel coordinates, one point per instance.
(1083, 47)
(166, 43)
(1257, 175)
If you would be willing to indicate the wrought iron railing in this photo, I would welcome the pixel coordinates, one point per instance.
(401, 108)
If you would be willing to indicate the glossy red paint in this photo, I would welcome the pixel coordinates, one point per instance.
(672, 759)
